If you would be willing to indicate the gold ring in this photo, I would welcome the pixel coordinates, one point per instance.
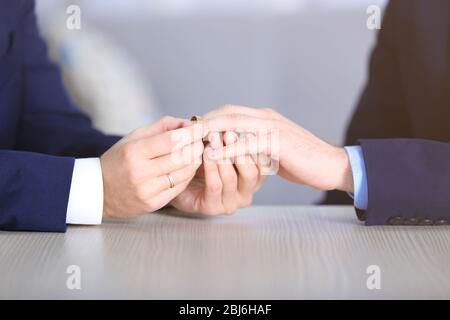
(197, 118)
(171, 181)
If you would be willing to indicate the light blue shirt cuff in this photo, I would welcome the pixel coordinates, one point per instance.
(361, 194)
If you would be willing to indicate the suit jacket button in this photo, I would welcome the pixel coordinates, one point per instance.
(412, 221)
(426, 222)
(395, 221)
(441, 222)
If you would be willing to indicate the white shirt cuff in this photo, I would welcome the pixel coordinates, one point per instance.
(86, 193)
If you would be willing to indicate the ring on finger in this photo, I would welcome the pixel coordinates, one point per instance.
(171, 181)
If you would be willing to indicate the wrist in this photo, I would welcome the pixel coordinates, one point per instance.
(106, 215)
(344, 174)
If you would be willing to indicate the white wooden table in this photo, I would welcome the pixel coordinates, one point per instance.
(262, 252)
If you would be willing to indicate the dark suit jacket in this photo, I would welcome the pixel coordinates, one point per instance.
(40, 130)
(402, 120)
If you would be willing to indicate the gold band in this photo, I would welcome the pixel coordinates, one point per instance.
(171, 181)
(197, 118)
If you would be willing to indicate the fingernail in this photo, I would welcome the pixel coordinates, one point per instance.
(215, 140)
(230, 137)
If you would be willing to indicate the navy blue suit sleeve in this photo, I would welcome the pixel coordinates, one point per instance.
(34, 191)
(408, 181)
(35, 177)
(50, 123)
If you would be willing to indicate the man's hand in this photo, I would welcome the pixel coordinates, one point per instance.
(220, 187)
(303, 158)
(135, 169)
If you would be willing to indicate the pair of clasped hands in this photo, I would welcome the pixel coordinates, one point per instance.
(215, 166)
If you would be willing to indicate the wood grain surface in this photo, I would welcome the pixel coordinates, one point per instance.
(304, 252)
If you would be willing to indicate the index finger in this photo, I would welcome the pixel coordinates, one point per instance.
(164, 124)
(170, 141)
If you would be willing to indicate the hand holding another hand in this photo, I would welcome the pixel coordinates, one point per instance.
(167, 163)
(220, 187)
(138, 172)
(135, 170)
(303, 158)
